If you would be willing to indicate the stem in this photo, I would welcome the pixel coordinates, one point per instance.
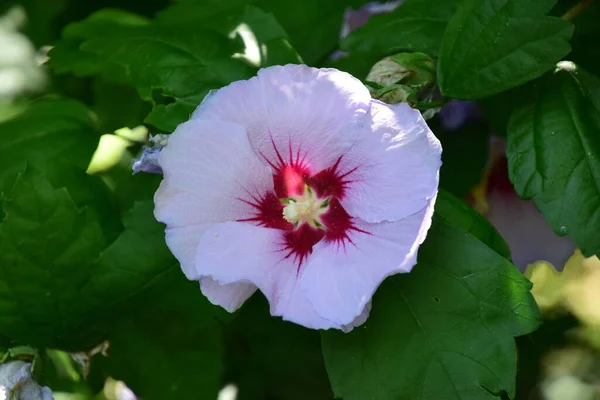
(577, 9)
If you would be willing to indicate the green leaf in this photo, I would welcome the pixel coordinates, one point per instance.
(162, 354)
(271, 40)
(553, 152)
(129, 188)
(313, 26)
(117, 105)
(444, 331)
(57, 129)
(67, 55)
(464, 158)
(356, 63)
(416, 25)
(138, 259)
(179, 63)
(167, 343)
(492, 46)
(59, 270)
(47, 245)
(453, 211)
(272, 359)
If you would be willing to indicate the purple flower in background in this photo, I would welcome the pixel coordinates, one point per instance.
(295, 182)
(456, 113)
(354, 19)
(524, 228)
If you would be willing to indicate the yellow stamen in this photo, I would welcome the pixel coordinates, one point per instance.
(306, 208)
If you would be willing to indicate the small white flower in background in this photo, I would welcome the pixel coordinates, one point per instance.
(16, 383)
(229, 392)
(295, 182)
(19, 69)
(117, 390)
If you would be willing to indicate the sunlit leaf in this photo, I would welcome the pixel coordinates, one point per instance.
(492, 46)
(444, 331)
(553, 152)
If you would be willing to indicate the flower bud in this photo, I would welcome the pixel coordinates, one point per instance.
(400, 77)
(394, 94)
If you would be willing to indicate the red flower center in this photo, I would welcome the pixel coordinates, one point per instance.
(290, 181)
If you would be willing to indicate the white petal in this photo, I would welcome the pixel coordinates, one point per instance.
(358, 321)
(234, 252)
(230, 296)
(306, 113)
(289, 301)
(208, 167)
(395, 163)
(183, 242)
(340, 280)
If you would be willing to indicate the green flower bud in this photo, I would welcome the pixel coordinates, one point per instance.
(400, 77)
(394, 94)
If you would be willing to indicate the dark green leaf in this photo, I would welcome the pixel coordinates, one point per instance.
(453, 211)
(47, 245)
(271, 40)
(87, 191)
(59, 271)
(47, 130)
(68, 56)
(444, 331)
(416, 25)
(138, 258)
(553, 152)
(167, 343)
(131, 188)
(464, 158)
(178, 62)
(272, 359)
(492, 46)
(163, 354)
(117, 105)
(356, 63)
(313, 26)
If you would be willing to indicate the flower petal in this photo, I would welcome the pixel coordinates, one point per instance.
(340, 280)
(209, 168)
(183, 242)
(230, 296)
(358, 321)
(236, 252)
(294, 113)
(393, 168)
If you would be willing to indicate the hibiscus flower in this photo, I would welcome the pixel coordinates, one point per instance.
(295, 182)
